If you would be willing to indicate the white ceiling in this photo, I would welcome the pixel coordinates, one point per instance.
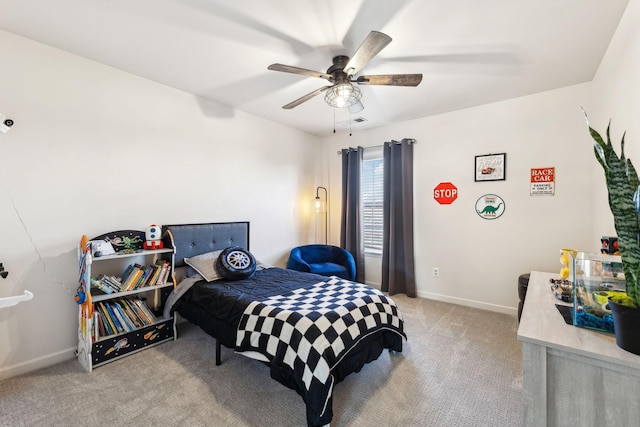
(470, 52)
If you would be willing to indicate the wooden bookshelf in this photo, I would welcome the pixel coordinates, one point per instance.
(116, 324)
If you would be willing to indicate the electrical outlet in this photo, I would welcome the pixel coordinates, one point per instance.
(436, 272)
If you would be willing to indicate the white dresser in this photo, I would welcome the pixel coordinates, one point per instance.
(573, 376)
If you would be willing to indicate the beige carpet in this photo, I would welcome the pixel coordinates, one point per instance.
(460, 367)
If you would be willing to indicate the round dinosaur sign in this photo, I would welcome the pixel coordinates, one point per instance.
(490, 206)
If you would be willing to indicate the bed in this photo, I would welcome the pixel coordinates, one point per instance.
(310, 330)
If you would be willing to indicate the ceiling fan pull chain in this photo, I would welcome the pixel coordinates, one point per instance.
(334, 120)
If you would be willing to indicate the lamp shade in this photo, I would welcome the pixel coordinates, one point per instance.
(319, 205)
(342, 95)
(321, 214)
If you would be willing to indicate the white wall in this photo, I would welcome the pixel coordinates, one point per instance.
(616, 97)
(94, 149)
(480, 260)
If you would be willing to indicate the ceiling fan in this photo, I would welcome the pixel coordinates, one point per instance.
(342, 74)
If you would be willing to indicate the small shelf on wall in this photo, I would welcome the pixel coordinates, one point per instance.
(11, 301)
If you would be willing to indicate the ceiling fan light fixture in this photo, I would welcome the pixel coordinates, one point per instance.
(356, 108)
(342, 95)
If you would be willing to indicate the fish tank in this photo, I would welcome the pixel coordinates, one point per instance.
(595, 278)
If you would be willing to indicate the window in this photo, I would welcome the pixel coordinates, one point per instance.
(372, 199)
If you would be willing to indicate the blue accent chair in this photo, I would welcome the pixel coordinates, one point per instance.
(326, 260)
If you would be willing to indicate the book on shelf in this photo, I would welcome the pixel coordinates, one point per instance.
(145, 310)
(127, 272)
(133, 319)
(131, 316)
(116, 312)
(157, 269)
(142, 319)
(136, 276)
(114, 282)
(95, 325)
(102, 286)
(162, 279)
(102, 331)
(133, 277)
(112, 315)
(108, 322)
(121, 315)
(107, 284)
(139, 313)
(144, 278)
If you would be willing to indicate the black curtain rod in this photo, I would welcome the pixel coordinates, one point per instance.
(409, 140)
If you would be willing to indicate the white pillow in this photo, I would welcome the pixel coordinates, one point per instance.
(205, 264)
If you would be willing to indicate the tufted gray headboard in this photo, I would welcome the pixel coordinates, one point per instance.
(194, 239)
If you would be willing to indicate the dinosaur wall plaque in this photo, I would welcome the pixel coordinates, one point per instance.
(490, 206)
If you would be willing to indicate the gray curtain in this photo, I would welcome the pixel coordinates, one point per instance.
(398, 270)
(351, 221)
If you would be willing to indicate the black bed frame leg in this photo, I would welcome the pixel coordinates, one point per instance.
(218, 353)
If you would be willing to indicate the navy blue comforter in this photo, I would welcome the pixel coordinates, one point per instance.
(218, 307)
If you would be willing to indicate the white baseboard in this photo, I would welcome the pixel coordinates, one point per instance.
(373, 284)
(470, 303)
(37, 363)
(461, 301)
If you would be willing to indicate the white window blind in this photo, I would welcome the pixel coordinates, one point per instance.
(372, 199)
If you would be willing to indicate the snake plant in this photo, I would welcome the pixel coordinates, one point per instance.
(624, 201)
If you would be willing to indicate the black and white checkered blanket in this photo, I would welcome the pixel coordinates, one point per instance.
(311, 330)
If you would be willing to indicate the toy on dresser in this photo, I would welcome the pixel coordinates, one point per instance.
(565, 261)
(153, 238)
(609, 245)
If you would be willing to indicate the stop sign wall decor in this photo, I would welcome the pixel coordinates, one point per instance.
(445, 193)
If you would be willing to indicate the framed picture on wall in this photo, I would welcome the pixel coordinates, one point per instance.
(491, 167)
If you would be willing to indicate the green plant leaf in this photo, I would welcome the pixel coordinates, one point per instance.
(622, 183)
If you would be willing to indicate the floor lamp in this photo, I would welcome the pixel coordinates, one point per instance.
(320, 208)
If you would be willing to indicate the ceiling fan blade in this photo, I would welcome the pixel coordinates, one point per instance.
(370, 47)
(297, 70)
(305, 98)
(371, 14)
(390, 80)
